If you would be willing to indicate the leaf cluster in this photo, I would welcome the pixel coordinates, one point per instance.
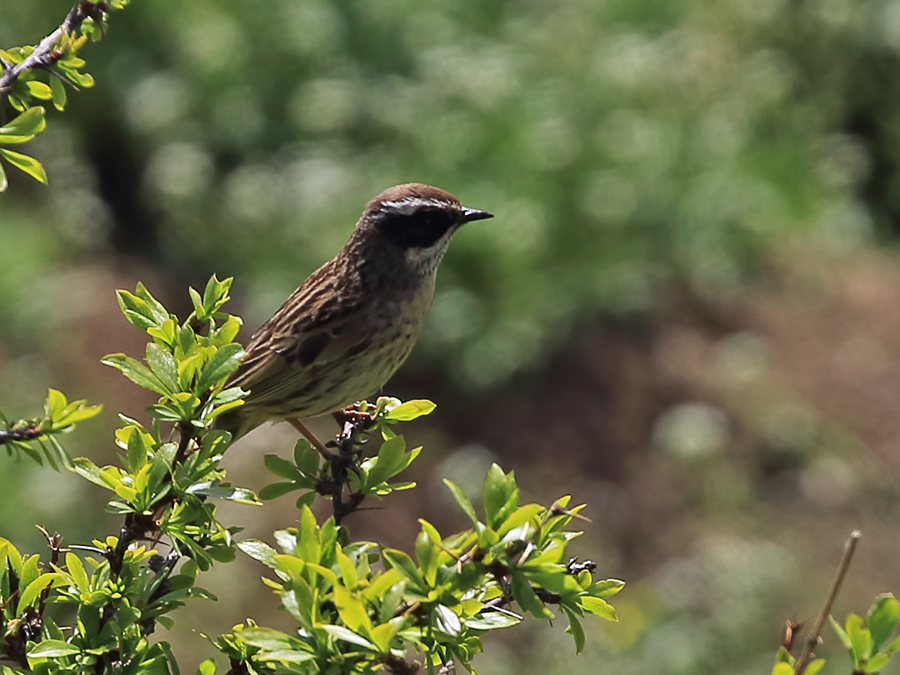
(360, 606)
(114, 611)
(36, 437)
(163, 486)
(41, 73)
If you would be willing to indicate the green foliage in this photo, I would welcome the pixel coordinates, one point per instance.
(359, 606)
(868, 641)
(58, 62)
(36, 437)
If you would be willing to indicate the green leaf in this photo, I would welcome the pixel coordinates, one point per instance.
(348, 570)
(308, 547)
(50, 649)
(499, 488)
(599, 607)
(87, 469)
(783, 669)
(29, 123)
(276, 490)
(136, 372)
(606, 588)
(524, 594)
(876, 663)
(306, 457)
(4, 182)
(214, 296)
(447, 621)
(307, 500)
(401, 562)
(76, 569)
(383, 634)
(841, 633)
(492, 621)
(351, 610)
(813, 667)
(260, 551)
(463, 501)
(36, 587)
(882, 619)
(271, 640)
(227, 492)
(39, 90)
(58, 90)
(223, 363)
(326, 572)
(25, 163)
(76, 412)
(348, 635)
(196, 300)
(162, 363)
(281, 467)
(427, 555)
(410, 410)
(8, 139)
(575, 629)
(157, 311)
(56, 403)
(389, 457)
(894, 646)
(860, 639)
(136, 310)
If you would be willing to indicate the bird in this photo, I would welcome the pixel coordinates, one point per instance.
(354, 321)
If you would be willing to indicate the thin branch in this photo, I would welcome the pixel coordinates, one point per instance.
(44, 54)
(813, 640)
(24, 434)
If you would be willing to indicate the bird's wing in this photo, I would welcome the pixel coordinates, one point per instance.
(317, 325)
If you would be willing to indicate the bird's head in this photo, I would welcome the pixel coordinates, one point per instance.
(419, 219)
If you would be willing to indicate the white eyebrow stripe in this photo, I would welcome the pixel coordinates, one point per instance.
(409, 205)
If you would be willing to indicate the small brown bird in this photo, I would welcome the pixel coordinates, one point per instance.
(355, 320)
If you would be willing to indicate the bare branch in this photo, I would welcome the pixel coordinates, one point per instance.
(813, 640)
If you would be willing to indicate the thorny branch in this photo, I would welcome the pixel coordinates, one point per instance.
(45, 54)
(347, 442)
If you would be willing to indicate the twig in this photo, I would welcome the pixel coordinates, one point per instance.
(347, 458)
(44, 54)
(23, 434)
(813, 640)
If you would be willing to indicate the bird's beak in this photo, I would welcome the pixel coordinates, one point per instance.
(468, 215)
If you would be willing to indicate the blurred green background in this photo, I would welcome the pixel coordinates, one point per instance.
(686, 312)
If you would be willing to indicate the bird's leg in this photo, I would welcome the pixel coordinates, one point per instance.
(308, 435)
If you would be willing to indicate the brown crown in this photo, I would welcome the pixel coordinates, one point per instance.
(412, 191)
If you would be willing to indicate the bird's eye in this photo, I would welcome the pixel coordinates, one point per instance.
(435, 219)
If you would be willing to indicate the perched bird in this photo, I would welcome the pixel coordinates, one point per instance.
(355, 320)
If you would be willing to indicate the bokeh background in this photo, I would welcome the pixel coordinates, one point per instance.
(686, 312)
